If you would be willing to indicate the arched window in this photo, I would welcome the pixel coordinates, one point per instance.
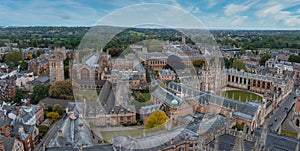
(85, 74)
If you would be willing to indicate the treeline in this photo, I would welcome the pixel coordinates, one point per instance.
(275, 41)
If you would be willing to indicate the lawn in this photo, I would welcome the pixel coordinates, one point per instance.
(289, 133)
(108, 135)
(244, 95)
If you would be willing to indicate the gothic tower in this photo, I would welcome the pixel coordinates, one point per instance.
(56, 67)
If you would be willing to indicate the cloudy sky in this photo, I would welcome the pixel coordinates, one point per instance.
(220, 14)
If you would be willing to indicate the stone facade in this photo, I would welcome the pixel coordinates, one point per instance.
(56, 67)
(296, 109)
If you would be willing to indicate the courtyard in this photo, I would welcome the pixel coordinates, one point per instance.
(241, 95)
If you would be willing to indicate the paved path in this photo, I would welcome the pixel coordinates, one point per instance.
(47, 137)
(280, 113)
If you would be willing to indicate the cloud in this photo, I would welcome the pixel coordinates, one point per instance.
(278, 13)
(233, 9)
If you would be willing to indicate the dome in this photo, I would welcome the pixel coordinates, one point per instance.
(174, 102)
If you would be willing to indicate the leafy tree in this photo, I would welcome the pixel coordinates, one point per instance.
(294, 58)
(52, 115)
(58, 108)
(198, 63)
(24, 65)
(43, 130)
(13, 58)
(39, 52)
(62, 90)
(140, 97)
(264, 57)
(239, 65)
(228, 62)
(19, 94)
(156, 118)
(39, 92)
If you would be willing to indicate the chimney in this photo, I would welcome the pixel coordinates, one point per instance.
(172, 141)
(17, 110)
(60, 134)
(80, 126)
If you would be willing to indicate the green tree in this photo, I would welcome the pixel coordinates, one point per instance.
(39, 52)
(43, 130)
(62, 90)
(198, 63)
(20, 94)
(39, 92)
(140, 97)
(52, 115)
(228, 62)
(13, 58)
(156, 118)
(263, 58)
(24, 65)
(294, 58)
(239, 65)
(58, 108)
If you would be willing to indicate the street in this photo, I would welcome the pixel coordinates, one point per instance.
(280, 113)
(47, 137)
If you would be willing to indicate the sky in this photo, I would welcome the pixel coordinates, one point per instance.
(213, 14)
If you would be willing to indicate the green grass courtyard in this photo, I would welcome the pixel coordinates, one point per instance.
(244, 95)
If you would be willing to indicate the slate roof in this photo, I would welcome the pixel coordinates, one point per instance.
(227, 142)
(156, 141)
(165, 96)
(102, 147)
(75, 131)
(278, 142)
(245, 110)
(149, 109)
(8, 142)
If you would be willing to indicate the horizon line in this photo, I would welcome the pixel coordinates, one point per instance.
(156, 27)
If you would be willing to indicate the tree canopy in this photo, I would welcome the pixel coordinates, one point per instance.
(52, 115)
(198, 63)
(13, 58)
(24, 65)
(39, 92)
(156, 118)
(239, 65)
(62, 90)
(264, 57)
(20, 94)
(294, 58)
(58, 108)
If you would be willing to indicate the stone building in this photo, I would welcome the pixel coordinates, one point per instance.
(250, 113)
(56, 67)
(296, 109)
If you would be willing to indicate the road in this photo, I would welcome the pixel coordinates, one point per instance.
(280, 113)
(47, 137)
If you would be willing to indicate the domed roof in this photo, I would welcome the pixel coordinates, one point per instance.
(174, 102)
